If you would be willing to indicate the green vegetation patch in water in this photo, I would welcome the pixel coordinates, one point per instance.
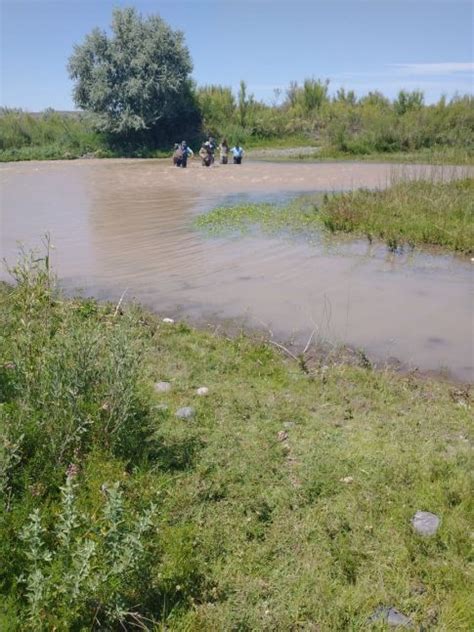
(298, 216)
(413, 213)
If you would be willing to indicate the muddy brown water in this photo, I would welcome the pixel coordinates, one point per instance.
(127, 225)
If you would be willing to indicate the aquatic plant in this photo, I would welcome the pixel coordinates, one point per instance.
(415, 213)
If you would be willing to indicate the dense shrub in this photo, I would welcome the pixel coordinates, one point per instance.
(69, 382)
(56, 134)
(344, 124)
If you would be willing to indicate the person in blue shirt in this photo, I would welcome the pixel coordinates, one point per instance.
(238, 154)
(187, 152)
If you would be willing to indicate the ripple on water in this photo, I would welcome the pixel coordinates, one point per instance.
(126, 223)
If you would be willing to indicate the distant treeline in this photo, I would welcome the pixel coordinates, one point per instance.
(306, 114)
(342, 122)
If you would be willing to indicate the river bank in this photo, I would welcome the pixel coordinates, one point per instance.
(272, 495)
(260, 151)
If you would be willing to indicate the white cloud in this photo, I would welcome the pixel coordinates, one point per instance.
(440, 68)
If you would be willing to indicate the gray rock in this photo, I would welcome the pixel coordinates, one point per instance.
(162, 387)
(391, 616)
(187, 412)
(425, 522)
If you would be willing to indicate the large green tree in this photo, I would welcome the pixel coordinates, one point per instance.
(136, 78)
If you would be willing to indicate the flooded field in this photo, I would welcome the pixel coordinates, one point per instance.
(127, 225)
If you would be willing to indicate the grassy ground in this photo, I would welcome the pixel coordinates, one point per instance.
(407, 213)
(284, 503)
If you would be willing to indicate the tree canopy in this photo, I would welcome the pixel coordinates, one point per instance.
(134, 78)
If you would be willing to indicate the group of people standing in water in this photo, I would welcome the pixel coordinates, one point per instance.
(182, 152)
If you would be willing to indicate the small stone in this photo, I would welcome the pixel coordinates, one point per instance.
(392, 617)
(347, 480)
(425, 522)
(187, 412)
(418, 589)
(282, 435)
(162, 387)
(202, 390)
(170, 321)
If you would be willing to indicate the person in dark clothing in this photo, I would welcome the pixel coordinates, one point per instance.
(187, 152)
(206, 155)
(212, 144)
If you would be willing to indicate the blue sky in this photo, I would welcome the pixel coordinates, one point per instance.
(363, 45)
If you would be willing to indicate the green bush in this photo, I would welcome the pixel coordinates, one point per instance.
(84, 569)
(70, 381)
(65, 133)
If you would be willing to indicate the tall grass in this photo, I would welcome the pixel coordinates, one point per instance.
(48, 135)
(408, 213)
(342, 125)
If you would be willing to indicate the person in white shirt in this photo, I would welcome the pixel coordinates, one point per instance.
(238, 154)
